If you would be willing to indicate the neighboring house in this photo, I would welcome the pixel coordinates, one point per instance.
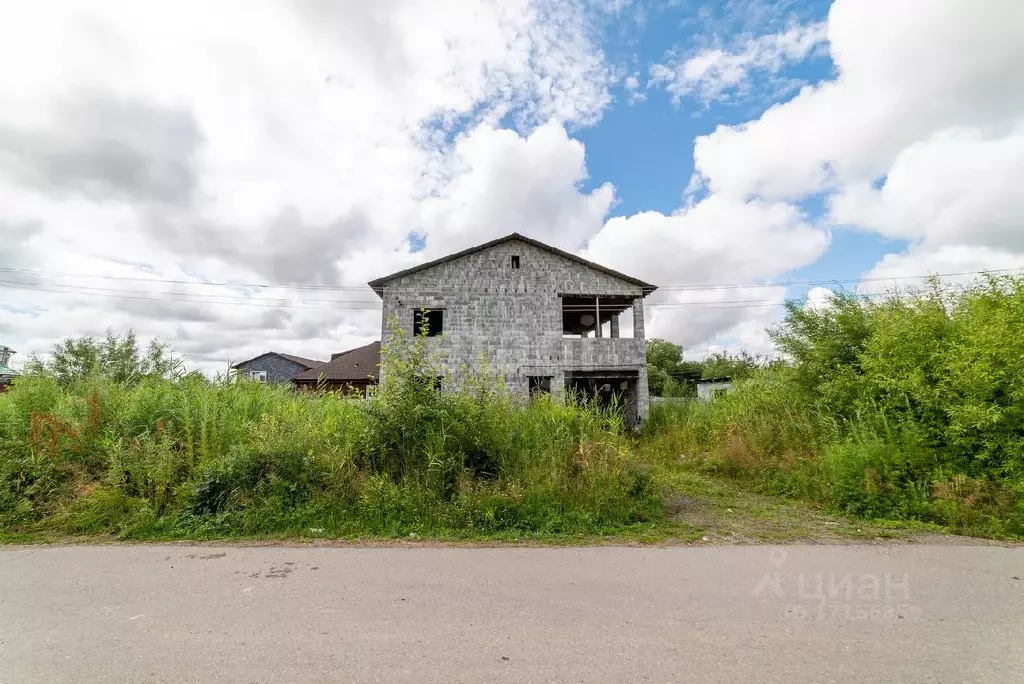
(546, 320)
(709, 388)
(352, 371)
(274, 367)
(7, 373)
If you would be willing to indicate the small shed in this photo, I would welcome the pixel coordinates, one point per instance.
(709, 388)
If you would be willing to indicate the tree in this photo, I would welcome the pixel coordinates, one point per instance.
(115, 357)
(825, 345)
(667, 374)
(735, 366)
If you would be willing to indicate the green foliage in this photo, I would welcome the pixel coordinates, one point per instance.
(878, 477)
(116, 357)
(736, 366)
(667, 374)
(142, 456)
(945, 363)
(664, 354)
(908, 405)
(825, 345)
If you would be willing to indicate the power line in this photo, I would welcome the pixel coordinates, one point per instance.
(362, 288)
(79, 288)
(20, 284)
(183, 301)
(373, 305)
(223, 300)
(59, 274)
(840, 281)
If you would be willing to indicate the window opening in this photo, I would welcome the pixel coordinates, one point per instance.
(428, 322)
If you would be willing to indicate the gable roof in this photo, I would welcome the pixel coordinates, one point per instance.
(361, 363)
(6, 370)
(302, 361)
(379, 283)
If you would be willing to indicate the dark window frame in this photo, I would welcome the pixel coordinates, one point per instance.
(515, 261)
(435, 321)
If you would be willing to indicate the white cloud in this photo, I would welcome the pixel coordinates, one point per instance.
(904, 73)
(303, 142)
(716, 241)
(920, 137)
(956, 187)
(712, 72)
(910, 269)
(633, 87)
(818, 298)
(272, 142)
(502, 183)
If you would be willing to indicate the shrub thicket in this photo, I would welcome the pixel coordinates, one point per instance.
(909, 405)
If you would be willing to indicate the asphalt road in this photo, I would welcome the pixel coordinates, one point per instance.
(904, 613)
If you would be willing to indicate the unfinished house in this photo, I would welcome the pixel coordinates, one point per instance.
(546, 320)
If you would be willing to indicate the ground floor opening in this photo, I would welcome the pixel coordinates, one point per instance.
(615, 389)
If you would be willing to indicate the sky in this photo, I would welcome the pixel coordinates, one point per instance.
(228, 176)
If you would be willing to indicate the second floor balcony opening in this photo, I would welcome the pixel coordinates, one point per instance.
(605, 316)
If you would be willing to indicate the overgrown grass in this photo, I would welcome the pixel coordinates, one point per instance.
(906, 407)
(193, 458)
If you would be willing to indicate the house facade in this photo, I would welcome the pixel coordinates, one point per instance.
(274, 367)
(546, 320)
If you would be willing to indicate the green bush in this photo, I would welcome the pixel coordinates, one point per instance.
(878, 478)
(890, 406)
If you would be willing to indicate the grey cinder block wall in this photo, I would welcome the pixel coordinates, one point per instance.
(278, 369)
(514, 315)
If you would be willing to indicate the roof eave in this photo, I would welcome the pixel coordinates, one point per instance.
(242, 363)
(280, 356)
